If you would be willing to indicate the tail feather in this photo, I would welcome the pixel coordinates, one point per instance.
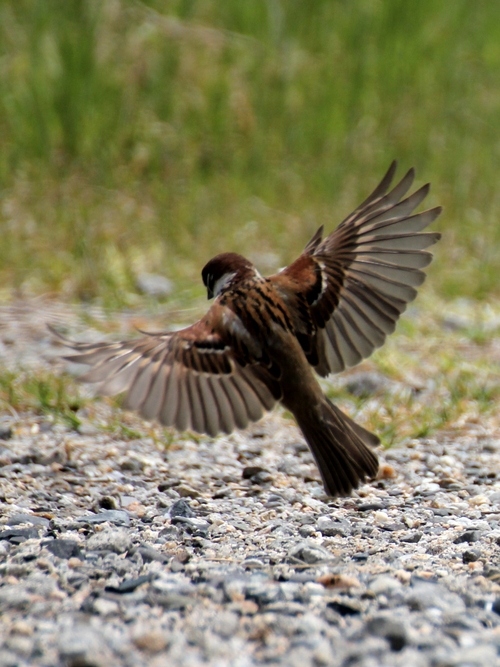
(340, 449)
(367, 437)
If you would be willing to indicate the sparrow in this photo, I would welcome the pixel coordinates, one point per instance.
(265, 339)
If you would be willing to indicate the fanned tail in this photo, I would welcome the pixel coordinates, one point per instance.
(340, 448)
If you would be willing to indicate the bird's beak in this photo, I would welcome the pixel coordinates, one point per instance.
(210, 293)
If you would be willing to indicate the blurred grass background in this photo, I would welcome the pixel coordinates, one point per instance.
(149, 136)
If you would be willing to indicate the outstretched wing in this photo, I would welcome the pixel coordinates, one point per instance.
(350, 288)
(191, 379)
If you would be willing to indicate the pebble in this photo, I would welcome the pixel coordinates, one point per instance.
(385, 585)
(389, 628)
(118, 517)
(83, 645)
(310, 553)
(62, 548)
(154, 285)
(116, 540)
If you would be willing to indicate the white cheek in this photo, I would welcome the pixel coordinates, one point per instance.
(222, 282)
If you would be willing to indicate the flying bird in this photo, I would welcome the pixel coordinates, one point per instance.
(264, 339)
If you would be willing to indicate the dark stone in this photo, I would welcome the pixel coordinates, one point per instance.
(221, 494)
(368, 507)
(413, 538)
(471, 555)
(392, 527)
(131, 465)
(150, 554)
(469, 536)
(62, 548)
(250, 471)
(107, 503)
(388, 628)
(181, 508)
(18, 535)
(496, 606)
(165, 486)
(262, 477)
(129, 585)
(344, 608)
(5, 433)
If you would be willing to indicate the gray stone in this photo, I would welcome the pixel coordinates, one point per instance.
(424, 595)
(14, 596)
(117, 540)
(306, 530)
(9, 658)
(330, 528)
(226, 624)
(17, 519)
(307, 552)
(83, 646)
(389, 628)
(62, 548)
(385, 585)
(263, 592)
(118, 517)
(193, 526)
(471, 555)
(154, 284)
(469, 536)
(181, 508)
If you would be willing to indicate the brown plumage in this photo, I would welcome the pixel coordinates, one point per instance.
(263, 338)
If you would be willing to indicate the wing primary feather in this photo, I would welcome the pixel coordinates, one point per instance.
(253, 407)
(109, 366)
(226, 417)
(210, 408)
(315, 241)
(367, 335)
(121, 380)
(151, 405)
(168, 409)
(379, 191)
(194, 401)
(140, 388)
(183, 414)
(412, 224)
(235, 400)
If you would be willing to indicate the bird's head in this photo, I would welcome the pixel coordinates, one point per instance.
(223, 271)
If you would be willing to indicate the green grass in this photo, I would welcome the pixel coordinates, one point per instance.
(148, 136)
(41, 393)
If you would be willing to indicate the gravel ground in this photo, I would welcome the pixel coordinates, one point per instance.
(121, 551)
